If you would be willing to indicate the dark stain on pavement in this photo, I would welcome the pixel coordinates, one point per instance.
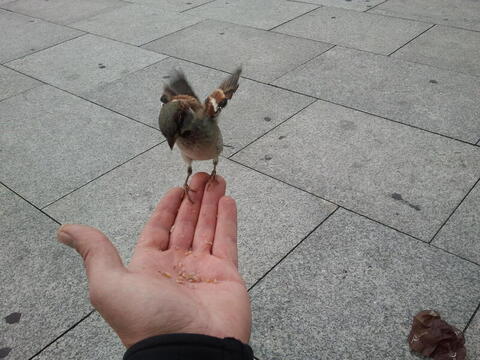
(4, 352)
(13, 318)
(398, 197)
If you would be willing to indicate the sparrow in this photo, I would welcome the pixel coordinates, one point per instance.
(193, 125)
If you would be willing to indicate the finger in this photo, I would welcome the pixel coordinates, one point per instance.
(184, 227)
(99, 255)
(225, 243)
(156, 232)
(207, 219)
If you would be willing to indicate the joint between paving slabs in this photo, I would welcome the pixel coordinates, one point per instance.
(419, 21)
(196, 6)
(359, 214)
(330, 201)
(88, 100)
(369, 113)
(293, 248)
(296, 17)
(273, 128)
(374, 6)
(115, 167)
(471, 318)
(403, 60)
(456, 255)
(23, 91)
(454, 210)
(303, 63)
(412, 39)
(37, 51)
(62, 334)
(161, 37)
(302, 2)
(101, 175)
(32, 204)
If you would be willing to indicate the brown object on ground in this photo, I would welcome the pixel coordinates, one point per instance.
(433, 337)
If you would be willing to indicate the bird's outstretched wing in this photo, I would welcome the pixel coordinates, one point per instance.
(179, 85)
(230, 85)
(218, 99)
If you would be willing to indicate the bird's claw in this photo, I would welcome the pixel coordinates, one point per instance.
(213, 179)
(186, 190)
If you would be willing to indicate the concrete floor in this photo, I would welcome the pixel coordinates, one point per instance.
(353, 155)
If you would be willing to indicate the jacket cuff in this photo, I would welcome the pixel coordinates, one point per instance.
(189, 346)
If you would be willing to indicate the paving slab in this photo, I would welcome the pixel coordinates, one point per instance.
(23, 35)
(447, 48)
(264, 55)
(273, 217)
(93, 339)
(406, 178)
(461, 233)
(173, 5)
(145, 23)
(363, 31)
(350, 291)
(264, 14)
(471, 338)
(41, 282)
(53, 142)
(244, 119)
(461, 13)
(63, 11)
(84, 63)
(433, 99)
(359, 5)
(12, 82)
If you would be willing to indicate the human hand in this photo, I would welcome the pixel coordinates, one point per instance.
(183, 275)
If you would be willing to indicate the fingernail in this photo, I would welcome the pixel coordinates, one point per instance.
(64, 237)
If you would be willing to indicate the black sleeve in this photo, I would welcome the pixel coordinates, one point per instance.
(189, 347)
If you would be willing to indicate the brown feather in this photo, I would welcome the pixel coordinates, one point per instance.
(189, 101)
(219, 97)
(230, 85)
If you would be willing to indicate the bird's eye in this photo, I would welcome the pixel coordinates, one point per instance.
(164, 99)
(222, 103)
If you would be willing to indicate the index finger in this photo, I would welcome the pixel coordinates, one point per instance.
(156, 232)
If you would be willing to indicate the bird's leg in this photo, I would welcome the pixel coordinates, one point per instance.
(213, 174)
(186, 187)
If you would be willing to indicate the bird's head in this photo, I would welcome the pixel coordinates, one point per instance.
(174, 119)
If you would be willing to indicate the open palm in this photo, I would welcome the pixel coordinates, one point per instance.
(183, 275)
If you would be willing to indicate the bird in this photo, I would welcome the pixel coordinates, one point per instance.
(193, 125)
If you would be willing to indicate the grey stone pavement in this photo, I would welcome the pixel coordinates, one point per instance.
(353, 154)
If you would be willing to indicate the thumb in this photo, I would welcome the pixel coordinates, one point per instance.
(99, 255)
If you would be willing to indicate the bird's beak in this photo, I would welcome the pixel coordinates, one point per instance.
(171, 141)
